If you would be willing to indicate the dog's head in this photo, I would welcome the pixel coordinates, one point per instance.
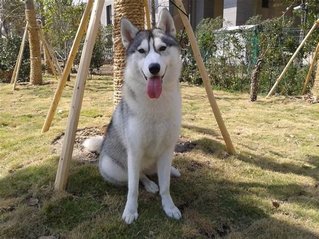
(153, 56)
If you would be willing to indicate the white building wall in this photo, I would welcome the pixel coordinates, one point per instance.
(159, 5)
(103, 16)
(230, 12)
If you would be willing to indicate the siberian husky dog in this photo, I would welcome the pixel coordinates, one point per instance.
(145, 126)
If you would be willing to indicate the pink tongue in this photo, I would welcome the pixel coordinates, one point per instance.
(154, 87)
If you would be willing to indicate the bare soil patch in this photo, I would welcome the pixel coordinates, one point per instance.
(183, 145)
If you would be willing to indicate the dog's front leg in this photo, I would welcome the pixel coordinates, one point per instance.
(164, 176)
(133, 164)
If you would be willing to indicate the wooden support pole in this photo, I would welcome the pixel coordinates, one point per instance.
(315, 87)
(199, 60)
(48, 53)
(73, 119)
(67, 69)
(17, 66)
(54, 59)
(312, 65)
(292, 58)
(147, 14)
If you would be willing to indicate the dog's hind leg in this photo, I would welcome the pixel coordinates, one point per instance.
(153, 170)
(111, 171)
(149, 185)
(175, 172)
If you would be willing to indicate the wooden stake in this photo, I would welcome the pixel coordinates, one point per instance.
(54, 59)
(17, 66)
(199, 60)
(315, 87)
(73, 119)
(46, 49)
(292, 58)
(67, 69)
(147, 14)
(314, 59)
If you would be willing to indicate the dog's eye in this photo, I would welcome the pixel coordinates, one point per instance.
(141, 50)
(162, 48)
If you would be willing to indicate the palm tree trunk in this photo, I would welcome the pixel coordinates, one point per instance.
(34, 43)
(134, 11)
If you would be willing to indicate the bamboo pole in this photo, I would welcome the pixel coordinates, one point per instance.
(73, 119)
(314, 59)
(17, 66)
(54, 59)
(48, 53)
(199, 60)
(315, 87)
(67, 69)
(147, 14)
(292, 58)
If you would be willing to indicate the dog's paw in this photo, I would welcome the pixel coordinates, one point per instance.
(151, 187)
(175, 172)
(173, 212)
(129, 216)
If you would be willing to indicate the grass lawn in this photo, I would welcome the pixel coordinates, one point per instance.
(270, 189)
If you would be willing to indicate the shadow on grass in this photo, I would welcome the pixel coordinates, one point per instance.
(212, 206)
(201, 130)
(286, 168)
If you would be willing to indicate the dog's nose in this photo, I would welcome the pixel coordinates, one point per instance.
(154, 68)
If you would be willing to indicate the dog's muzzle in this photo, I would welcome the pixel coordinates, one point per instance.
(154, 83)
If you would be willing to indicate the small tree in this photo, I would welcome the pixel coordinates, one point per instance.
(60, 20)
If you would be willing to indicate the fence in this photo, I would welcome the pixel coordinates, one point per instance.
(230, 55)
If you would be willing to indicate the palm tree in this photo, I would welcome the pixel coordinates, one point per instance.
(134, 11)
(34, 43)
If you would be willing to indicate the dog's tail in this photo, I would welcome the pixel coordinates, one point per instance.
(93, 144)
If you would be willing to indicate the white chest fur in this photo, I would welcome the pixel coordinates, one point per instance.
(154, 125)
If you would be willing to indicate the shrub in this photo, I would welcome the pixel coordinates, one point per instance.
(9, 50)
(102, 51)
(230, 56)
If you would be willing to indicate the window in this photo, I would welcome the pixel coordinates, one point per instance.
(108, 14)
(265, 3)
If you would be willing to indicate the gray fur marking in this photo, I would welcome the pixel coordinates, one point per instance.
(147, 34)
(114, 147)
(140, 36)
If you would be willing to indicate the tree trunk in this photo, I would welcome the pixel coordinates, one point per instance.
(134, 11)
(34, 43)
(254, 82)
(153, 13)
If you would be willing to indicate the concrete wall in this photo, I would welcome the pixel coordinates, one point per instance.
(276, 9)
(245, 10)
(235, 12)
(230, 12)
(103, 16)
(218, 7)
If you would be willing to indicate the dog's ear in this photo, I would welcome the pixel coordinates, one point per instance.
(166, 22)
(128, 32)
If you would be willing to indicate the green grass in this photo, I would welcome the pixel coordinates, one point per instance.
(270, 189)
